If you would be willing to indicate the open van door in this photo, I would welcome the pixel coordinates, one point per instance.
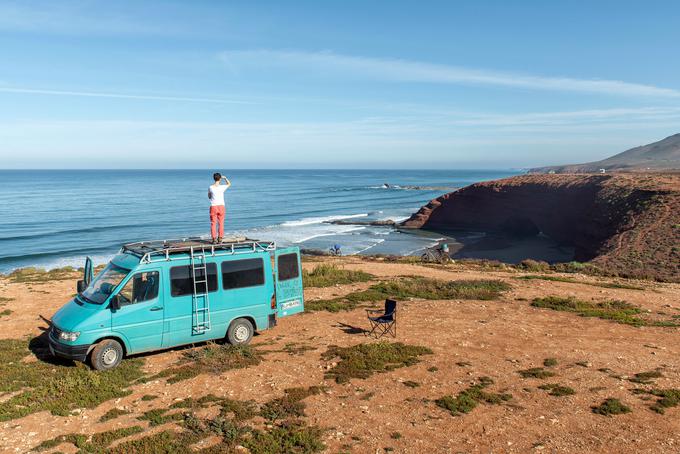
(88, 273)
(288, 273)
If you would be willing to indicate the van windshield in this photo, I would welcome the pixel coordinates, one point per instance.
(101, 286)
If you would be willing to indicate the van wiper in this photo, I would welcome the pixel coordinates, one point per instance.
(85, 298)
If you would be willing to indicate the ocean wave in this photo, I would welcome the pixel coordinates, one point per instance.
(379, 241)
(53, 233)
(321, 219)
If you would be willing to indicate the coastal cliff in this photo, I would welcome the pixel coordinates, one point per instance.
(624, 223)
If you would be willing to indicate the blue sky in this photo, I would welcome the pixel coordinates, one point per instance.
(316, 84)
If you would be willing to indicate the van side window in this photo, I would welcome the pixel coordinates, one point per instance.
(182, 282)
(242, 273)
(288, 267)
(141, 287)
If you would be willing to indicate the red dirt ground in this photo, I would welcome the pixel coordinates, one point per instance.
(497, 338)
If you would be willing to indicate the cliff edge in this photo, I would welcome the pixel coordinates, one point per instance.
(628, 224)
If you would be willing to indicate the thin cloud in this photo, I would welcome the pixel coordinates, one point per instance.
(76, 18)
(412, 71)
(37, 91)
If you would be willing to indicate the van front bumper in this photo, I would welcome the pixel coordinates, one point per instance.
(74, 352)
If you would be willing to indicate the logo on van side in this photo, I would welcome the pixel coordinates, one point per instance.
(290, 304)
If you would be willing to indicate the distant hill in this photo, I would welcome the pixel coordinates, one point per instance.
(661, 155)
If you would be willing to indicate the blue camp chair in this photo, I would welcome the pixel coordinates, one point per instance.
(386, 323)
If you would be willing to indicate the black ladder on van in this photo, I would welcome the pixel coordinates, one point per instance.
(201, 302)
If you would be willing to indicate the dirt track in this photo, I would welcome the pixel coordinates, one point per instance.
(497, 338)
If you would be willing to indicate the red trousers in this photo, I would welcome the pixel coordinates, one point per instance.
(217, 218)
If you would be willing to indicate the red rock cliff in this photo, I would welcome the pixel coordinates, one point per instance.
(627, 223)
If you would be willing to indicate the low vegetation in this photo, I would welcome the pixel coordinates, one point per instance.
(535, 372)
(211, 359)
(327, 275)
(159, 416)
(615, 310)
(611, 407)
(414, 287)
(468, 399)
(295, 349)
(33, 275)
(550, 362)
(56, 387)
(363, 360)
(234, 426)
(667, 398)
(290, 405)
(574, 281)
(557, 390)
(95, 443)
(646, 378)
(113, 414)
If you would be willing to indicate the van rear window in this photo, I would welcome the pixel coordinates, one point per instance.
(242, 273)
(288, 267)
(182, 282)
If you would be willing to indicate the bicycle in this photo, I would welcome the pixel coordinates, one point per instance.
(436, 255)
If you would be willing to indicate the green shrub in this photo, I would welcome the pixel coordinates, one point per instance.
(213, 359)
(468, 399)
(58, 387)
(414, 287)
(327, 275)
(363, 360)
(610, 407)
(618, 311)
(557, 390)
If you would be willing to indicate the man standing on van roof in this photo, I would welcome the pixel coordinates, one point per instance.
(217, 210)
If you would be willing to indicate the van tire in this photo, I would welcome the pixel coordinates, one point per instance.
(106, 355)
(240, 332)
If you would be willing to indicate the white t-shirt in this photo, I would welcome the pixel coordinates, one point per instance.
(217, 194)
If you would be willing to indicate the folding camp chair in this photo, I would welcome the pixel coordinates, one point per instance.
(385, 323)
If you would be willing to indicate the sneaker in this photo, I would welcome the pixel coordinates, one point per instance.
(219, 239)
(214, 241)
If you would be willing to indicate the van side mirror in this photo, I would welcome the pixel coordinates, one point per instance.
(114, 303)
(80, 286)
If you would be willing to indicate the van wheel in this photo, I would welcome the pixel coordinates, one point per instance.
(106, 355)
(240, 332)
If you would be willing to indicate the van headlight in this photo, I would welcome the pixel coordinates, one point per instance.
(70, 337)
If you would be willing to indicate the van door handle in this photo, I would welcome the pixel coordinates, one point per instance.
(156, 308)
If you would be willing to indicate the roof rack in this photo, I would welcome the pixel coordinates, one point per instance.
(161, 250)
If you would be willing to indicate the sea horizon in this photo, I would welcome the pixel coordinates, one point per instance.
(58, 220)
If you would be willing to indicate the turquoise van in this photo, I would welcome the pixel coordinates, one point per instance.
(162, 294)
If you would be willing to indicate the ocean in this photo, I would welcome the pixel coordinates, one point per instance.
(54, 218)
